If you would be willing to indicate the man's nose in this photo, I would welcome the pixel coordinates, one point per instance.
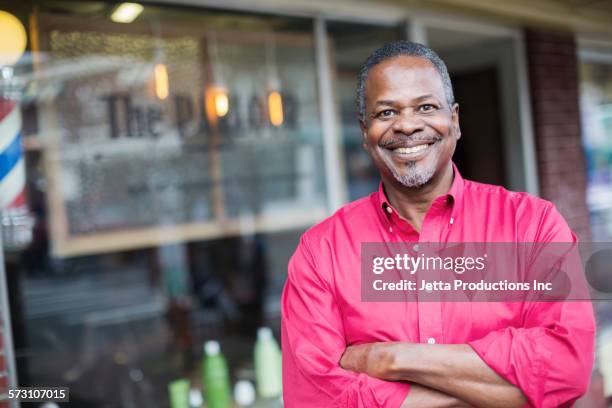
(408, 122)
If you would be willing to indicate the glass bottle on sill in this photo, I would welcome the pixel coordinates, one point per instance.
(215, 377)
(268, 373)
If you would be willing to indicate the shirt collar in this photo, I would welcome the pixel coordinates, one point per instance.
(455, 194)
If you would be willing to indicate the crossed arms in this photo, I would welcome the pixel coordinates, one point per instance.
(546, 362)
(443, 375)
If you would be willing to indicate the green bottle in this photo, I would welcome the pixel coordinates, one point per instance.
(268, 373)
(179, 393)
(215, 377)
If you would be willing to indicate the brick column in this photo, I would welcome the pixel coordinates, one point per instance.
(553, 76)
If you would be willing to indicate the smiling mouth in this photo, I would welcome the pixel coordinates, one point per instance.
(408, 150)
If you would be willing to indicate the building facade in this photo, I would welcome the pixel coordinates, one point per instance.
(172, 162)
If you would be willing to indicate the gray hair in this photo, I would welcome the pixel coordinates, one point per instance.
(396, 49)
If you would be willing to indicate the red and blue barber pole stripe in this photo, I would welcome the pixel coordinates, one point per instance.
(16, 220)
(12, 168)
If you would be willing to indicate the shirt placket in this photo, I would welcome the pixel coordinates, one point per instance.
(428, 304)
(431, 330)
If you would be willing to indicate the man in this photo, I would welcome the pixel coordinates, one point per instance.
(341, 352)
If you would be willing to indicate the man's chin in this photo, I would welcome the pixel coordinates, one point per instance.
(413, 179)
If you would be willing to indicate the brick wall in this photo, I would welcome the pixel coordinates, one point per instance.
(553, 75)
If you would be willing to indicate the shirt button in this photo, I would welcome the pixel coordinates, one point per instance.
(431, 340)
(390, 229)
(416, 247)
(389, 210)
(452, 221)
(429, 290)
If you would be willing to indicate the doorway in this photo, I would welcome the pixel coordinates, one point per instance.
(479, 154)
(496, 145)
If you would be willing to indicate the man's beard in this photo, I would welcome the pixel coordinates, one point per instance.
(413, 176)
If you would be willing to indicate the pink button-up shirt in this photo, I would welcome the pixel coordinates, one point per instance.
(545, 349)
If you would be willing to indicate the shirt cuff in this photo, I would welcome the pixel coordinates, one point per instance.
(518, 358)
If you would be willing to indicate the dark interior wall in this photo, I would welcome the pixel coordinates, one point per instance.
(479, 153)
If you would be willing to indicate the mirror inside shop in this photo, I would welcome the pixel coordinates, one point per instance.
(171, 160)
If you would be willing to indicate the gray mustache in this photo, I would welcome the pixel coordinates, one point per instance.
(399, 140)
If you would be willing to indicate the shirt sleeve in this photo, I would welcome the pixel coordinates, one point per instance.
(313, 342)
(550, 357)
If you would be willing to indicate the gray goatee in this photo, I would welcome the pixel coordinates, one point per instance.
(413, 177)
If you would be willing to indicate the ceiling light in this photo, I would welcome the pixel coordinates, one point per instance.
(161, 81)
(221, 103)
(217, 103)
(126, 12)
(275, 108)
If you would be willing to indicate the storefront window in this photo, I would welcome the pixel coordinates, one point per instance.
(596, 110)
(172, 164)
(595, 71)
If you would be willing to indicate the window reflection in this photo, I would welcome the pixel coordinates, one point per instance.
(596, 110)
(172, 164)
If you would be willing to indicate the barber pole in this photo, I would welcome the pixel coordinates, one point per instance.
(12, 171)
(16, 220)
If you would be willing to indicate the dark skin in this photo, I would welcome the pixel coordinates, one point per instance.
(406, 107)
(410, 129)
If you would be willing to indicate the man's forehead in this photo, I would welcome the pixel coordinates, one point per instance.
(405, 61)
(419, 72)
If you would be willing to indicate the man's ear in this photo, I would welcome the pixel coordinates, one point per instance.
(455, 120)
(364, 133)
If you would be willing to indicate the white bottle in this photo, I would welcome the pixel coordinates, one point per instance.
(244, 393)
(268, 373)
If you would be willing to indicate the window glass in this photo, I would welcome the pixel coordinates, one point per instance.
(172, 164)
(596, 111)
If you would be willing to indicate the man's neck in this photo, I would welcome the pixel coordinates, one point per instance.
(412, 203)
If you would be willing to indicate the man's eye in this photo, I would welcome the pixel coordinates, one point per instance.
(426, 108)
(385, 113)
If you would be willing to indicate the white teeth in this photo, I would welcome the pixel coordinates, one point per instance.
(411, 149)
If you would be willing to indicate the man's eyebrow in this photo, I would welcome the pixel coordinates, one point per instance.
(417, 99)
